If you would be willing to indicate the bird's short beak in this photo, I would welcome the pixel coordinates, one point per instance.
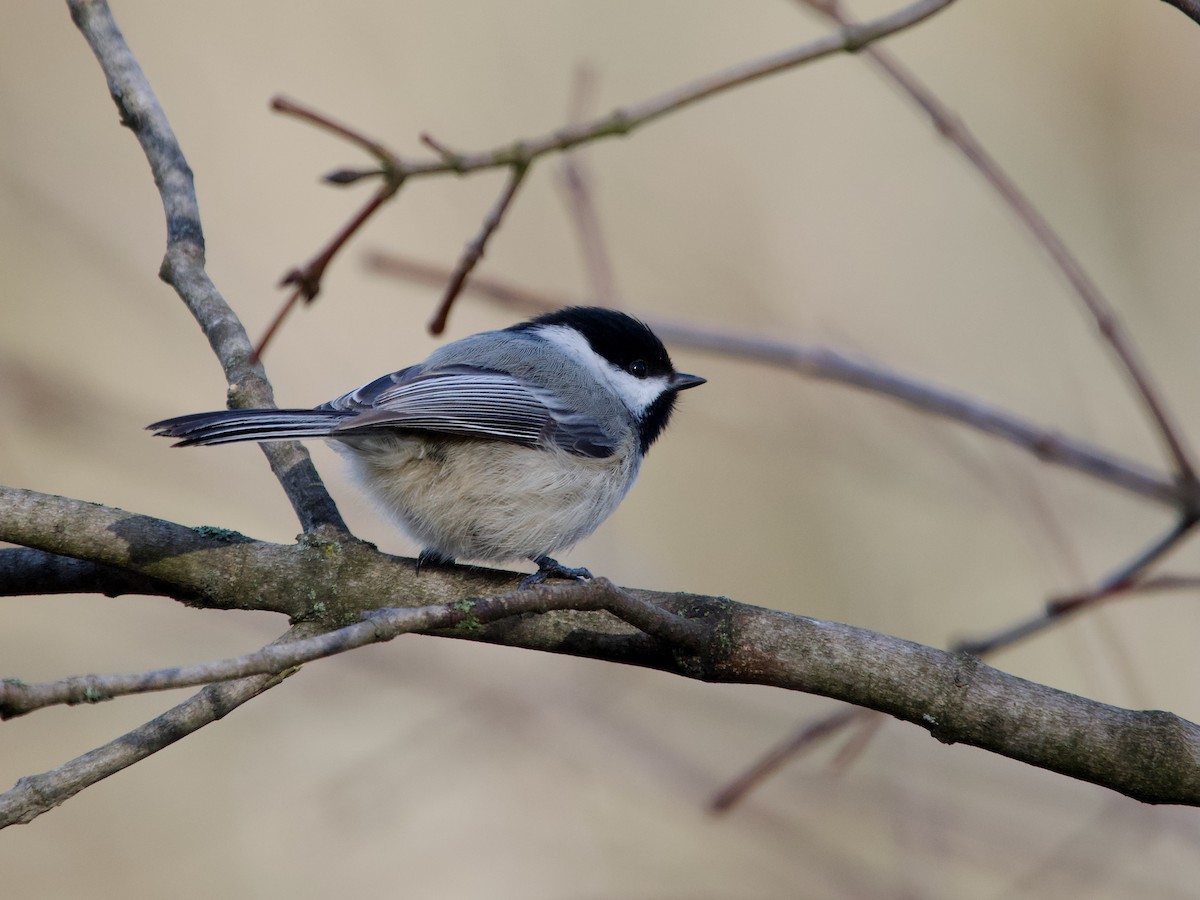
(682, 382)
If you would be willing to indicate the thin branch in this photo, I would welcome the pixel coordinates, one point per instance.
(473, 252)
(307, 278)
(452, 158)
(519, 155)
(869, 725)
(389, 162)
(1059, 609)
(576, 181)
(1165, 582)
(506, 294)
(620, 122)
(183, 264)
(18, 698)
(829, 365)
(36, 794)
(803, 739)
(951, 126)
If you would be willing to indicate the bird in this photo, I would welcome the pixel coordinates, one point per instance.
(504, 445)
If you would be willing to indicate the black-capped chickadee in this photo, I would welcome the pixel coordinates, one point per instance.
(504, 445)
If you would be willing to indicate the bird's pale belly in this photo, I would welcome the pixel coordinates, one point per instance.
(486, 500)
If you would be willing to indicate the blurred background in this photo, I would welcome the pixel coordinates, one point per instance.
(816, 206)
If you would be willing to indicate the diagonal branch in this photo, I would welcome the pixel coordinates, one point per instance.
(1107, 322)
(829, 365)
(473, 252)
(183, 264)
(36, 794)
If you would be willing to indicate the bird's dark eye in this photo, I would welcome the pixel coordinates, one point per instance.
(638, 368)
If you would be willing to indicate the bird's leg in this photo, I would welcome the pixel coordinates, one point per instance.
(552, 568)
(430, 557)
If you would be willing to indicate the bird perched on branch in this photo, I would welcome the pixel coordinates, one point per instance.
(511, 444)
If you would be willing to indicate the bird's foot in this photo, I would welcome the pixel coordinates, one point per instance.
(552, 568)
(429, 557)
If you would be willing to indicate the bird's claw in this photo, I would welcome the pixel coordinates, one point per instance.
(552, 568)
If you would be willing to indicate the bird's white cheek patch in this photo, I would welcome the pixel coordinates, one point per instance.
(636, 393)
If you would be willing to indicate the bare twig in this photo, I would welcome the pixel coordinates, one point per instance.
(183, 264)
(450, 157)
(18, 698)
(519, 155)
(388, 161)
(1154, 583)
(804, 738)
(620, 122)
(473, 252)
(1119, 582)
(950, 126)
(35, 794)
(505, 293)
(868, 726)
(307, 279)
(581, 203)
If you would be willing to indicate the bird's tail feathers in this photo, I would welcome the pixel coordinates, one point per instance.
(232, 425)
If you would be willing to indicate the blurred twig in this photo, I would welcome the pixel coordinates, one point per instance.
(1122, 580)
(829, 365)
(803, 739)
(577, 185)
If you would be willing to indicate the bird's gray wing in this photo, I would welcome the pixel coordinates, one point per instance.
(465, 401)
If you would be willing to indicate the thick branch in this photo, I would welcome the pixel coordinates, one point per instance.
(183, 264)
(25, 572)
(1152, 756)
